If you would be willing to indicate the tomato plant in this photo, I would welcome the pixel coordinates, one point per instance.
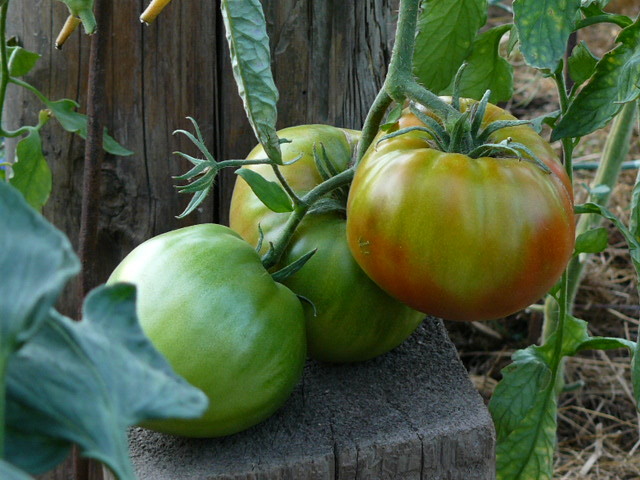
(208, 305)
(351, 318)
(459, 237)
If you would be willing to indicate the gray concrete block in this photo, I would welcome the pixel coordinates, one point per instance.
(410, 414)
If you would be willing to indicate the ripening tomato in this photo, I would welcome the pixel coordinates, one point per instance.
(208, 305)
(458, 237)
(353, 318)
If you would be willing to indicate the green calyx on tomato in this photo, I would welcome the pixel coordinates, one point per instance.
(354, 319)
(459, 237)
(207, 304)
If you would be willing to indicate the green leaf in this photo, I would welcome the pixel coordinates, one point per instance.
(446, 31)
(614, 82)
(36, 454)
(486, 69)
(65, 112)
(9, 472)
(543, 28)
(21, 61)
(592, 241)
(86, 382)
(524, 404)
(633, 242)
(31, 173)
(545, 119)
(635, 372)
(246, 32)
(31, 286)
(270, 193)
(582, 63)
(524, 409)
(607, 343)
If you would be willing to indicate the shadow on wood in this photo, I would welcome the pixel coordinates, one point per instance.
(409, 414)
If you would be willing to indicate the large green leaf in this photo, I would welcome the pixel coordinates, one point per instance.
(9, 472)
(446, 31)
(524, 408)
(524, 404)
(616, 80)
(21, 61)
(543, 29)
(33, 453)
(246, 32)
(65, 112)
(36, 261)
(486, 69)
(86, 382)
(31, 173)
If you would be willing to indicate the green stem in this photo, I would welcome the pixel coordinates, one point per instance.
(273, 256)
(25, 129)
(372, 123)
(4, 60)
(621, 20)
(615, 151)
(400, 83)
(283, 181)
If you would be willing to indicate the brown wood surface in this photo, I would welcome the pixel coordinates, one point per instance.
(329, 59)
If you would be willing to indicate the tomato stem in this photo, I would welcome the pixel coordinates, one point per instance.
(283, 181)
(372, 123)
(273, 256)
(615, 151)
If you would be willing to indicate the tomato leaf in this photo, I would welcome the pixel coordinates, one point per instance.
(486, 69)
(31, 173)
(545, 119)
(633, 242)
(246, 32)
(616, 81)
(21, 61)
(32, 285)
(543, 29)
(525, 403)
(104, 377)
(270, 193)
(582, 63)
(592, 241)
(9, 472)
(446, 31)
(65, 112)
(36, 454)
(524, 407)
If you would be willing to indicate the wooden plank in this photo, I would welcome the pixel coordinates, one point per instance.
(409, 414)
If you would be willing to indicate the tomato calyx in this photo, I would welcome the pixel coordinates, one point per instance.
(465, 134)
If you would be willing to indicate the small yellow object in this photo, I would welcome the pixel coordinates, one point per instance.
(153, 10)
(67, 29)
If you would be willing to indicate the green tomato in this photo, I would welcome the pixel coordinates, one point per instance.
(353, 319)
(458, 237)
(208, 305)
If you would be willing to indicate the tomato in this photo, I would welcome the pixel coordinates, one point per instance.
(354, 319)
(208, 305)
(457, 237)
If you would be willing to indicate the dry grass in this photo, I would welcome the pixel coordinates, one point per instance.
(598, 423)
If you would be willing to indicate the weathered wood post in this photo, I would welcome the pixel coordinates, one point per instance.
(329, 59)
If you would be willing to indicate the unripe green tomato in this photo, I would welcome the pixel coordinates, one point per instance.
(354, 319)
(458, 237)
(208, 305)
